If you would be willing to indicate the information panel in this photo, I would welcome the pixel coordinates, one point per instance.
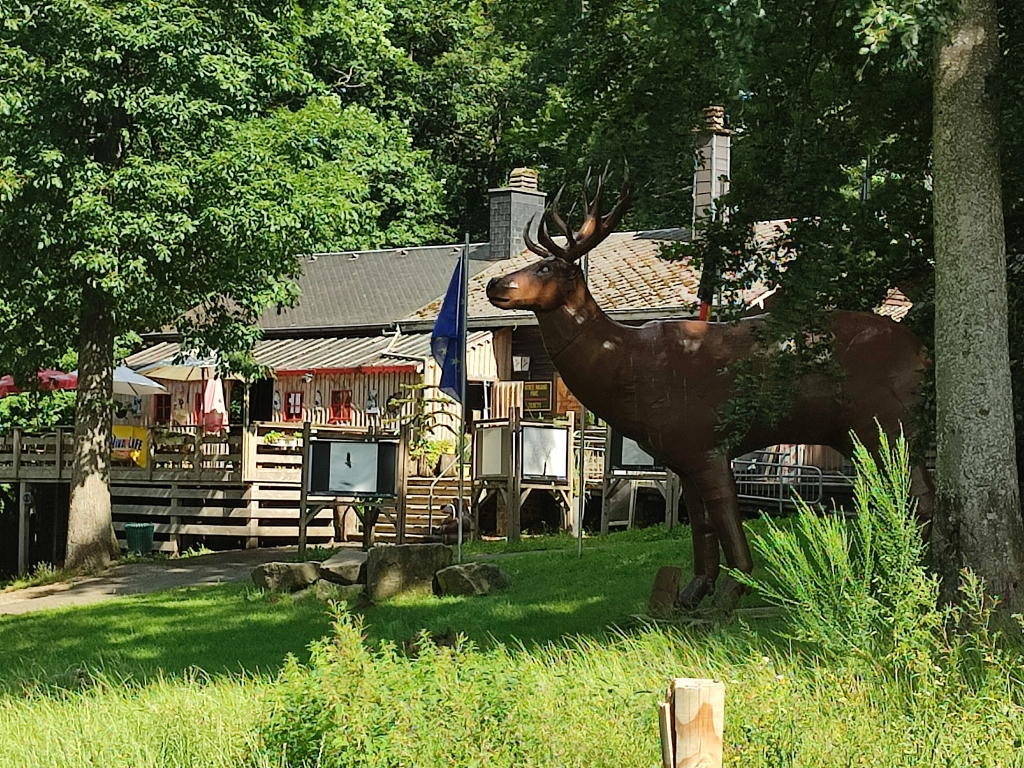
(627, 454)
(545, 452)
(354, 468)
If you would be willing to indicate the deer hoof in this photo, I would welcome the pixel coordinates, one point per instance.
(698, 588)
(729, 593)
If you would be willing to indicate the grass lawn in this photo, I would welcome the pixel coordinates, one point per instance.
(233, 628)
(556, 672)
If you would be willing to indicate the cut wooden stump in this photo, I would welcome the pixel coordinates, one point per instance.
(692, 721)
(665, 592)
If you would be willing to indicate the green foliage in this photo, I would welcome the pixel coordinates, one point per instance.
(859, 587)
(860, 592)
(37, 410)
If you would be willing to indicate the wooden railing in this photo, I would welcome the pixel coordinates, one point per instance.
(267, 453)
(181, 454)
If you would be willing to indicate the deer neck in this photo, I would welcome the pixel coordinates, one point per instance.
(576, 330)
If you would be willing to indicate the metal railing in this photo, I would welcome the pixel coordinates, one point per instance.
(765, 477)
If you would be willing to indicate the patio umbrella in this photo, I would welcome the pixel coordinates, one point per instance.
(128, 382)
(188, 368)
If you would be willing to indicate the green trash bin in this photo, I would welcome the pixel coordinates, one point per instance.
(140, 538)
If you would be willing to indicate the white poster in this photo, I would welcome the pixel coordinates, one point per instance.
(546, 452)
(635, 456)
(491, 447)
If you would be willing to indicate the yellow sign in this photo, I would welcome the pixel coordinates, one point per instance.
(130, 443)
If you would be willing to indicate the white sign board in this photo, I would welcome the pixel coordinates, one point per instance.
(546, 452)
(635, 456)
(491, 445)
(353, 467)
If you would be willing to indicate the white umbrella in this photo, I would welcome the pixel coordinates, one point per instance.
(188, 368)
(128, 382)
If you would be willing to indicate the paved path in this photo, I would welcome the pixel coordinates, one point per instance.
(140, 578)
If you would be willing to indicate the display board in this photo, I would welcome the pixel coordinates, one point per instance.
(491, 447)
(359, 468)
(537, 396)
(627, 454)
(545, 452)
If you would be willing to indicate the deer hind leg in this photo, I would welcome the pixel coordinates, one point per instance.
(718, 487)
(705, 548)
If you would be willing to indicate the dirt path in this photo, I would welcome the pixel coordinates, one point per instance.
(140, 578)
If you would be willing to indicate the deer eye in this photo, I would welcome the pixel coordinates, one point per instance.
(544, 269)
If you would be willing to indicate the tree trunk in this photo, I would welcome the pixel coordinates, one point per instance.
(977, 517)
(89, 521)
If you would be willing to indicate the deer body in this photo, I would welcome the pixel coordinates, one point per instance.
(663, 384)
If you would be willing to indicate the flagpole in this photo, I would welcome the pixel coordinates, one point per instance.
(463, 316)
(582, 466)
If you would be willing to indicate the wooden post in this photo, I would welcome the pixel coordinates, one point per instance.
(17, 451)
(59, 452)
(175, 521)
(197, 453)
(304, 486)
(606, 487)
(22, 524)
(150, 452)
(692, 721)
(403, 460)
(515, 476)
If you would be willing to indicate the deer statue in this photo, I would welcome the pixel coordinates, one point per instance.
(662, 384)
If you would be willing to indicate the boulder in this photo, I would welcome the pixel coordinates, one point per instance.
(345, 567)
(471, 579)
(340, 593)
(402, 568)
(285, 577)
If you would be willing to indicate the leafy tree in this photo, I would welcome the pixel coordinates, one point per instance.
(159, 156)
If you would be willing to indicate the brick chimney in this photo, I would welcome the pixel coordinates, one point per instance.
(512, 207)
(712, 169)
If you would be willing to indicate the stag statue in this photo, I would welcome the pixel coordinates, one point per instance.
(663, 384)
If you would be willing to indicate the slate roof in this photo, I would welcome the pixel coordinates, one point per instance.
(626, 275)
(333, 353)
(356, 288)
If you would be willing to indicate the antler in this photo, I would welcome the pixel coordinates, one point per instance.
(594, 229)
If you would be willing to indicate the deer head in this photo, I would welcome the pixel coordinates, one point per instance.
(548, 284)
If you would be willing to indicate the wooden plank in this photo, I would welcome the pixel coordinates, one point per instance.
(698, 722)
(259, 493)
(139, 510)
(165, 492)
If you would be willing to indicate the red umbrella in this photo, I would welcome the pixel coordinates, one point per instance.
(49, 379)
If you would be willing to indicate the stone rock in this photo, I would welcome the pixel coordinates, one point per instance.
(345, 567)
(285, 577)
(402, 568)
(471, 579)
(339, 593)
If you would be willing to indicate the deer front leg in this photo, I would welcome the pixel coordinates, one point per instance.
(705, 548)
(718, 488)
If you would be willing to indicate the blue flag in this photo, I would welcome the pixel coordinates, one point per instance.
(446, 342)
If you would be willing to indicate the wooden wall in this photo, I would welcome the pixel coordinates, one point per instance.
(370, 392)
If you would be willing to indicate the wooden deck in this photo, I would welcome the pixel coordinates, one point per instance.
(241, 487)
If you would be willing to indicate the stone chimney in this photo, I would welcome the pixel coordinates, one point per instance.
(512, 207)
(712, 169)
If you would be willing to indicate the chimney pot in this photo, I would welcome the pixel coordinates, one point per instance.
(714, 118)
(523, 178)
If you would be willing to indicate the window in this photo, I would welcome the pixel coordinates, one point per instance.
(293, 406)
(162, 409)
(341, 406)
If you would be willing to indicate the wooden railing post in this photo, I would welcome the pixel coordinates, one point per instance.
(304, 486)
(197, 453)
(22, 528)
(17, 452)
(59, 453)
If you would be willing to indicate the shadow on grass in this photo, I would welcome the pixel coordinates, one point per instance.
(217, 629)
(228, 629)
